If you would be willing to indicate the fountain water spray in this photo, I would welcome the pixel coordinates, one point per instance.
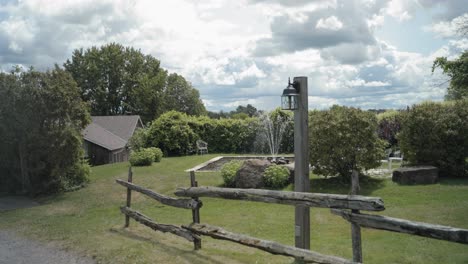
(274, 126)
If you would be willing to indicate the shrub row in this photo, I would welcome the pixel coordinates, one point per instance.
(145, 156)
(437, 134)
(176, 134)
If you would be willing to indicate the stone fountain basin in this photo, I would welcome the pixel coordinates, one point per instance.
(215, 164)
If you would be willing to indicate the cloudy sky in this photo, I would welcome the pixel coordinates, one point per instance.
(364, 53)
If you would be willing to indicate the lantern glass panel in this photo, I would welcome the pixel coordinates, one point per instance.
(289, 102)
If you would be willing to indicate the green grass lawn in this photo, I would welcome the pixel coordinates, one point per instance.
(89, 222)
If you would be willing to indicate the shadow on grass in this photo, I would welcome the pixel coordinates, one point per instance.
(191, 256)
(51, 198)
(338, 185)
(453, 181)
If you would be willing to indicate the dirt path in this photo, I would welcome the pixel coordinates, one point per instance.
(18, 250)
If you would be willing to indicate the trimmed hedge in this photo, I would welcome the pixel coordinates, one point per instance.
(437, 134)
(172, 134)
(143, 157)
(176, 134)
(157, 152)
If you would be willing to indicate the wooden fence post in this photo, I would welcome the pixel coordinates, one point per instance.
(355, 228)
(196, 211)
(129, 195)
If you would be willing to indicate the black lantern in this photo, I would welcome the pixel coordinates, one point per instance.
(290, 97)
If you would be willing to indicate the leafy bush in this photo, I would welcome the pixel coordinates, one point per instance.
(437, 134)
(76, 175)
(172, 134)
(343, 139)
(228, 172)
(143, 157)
(276, 176)
(389, 124)
(139, 139)
(158, 154)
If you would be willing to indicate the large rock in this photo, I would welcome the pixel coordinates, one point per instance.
(250, 174)
(416, 175)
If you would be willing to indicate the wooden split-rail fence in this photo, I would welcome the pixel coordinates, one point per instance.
(346, 206)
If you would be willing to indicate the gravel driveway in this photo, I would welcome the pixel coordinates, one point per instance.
(18, 250)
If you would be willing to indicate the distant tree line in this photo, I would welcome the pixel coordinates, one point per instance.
(241, 112)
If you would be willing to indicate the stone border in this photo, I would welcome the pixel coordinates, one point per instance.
(199, 167)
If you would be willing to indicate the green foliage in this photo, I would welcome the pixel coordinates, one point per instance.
(228, 172)
(158, 154)
(175, 133)
(276, 176)
(249, 110)
(139, 139)
(68, 218)
(437, 134)
(142, 157)
(389, 124)
(76, 175)
(118, 80)
(41, 119)
(457, 71)
(343, 139)
(227, 135)
(172, 134)
(181, 96)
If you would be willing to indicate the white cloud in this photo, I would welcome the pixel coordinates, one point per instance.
(448, 29)
(331, 23)
(401, 9)
(240, 52)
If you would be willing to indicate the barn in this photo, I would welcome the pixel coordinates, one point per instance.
(105, 140)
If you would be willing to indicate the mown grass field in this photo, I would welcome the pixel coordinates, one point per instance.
(88, 221)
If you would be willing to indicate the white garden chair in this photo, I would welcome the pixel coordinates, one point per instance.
(397, 155)
(202, 147)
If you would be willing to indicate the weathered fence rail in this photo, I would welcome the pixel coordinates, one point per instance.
(346, 206)
(192, 232)
(292, 198)
(265, 245)
(180, 203)
(405, 226)
(145, 220)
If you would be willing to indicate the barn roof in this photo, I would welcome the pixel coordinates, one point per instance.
(111, 132)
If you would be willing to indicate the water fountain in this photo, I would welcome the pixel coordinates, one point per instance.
(273, 127)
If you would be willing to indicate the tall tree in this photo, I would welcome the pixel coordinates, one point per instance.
(181, 96)
(457, 70)
(118, 80)
(42, 116)
(249, 109)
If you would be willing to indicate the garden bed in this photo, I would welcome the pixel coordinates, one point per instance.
(215, 164)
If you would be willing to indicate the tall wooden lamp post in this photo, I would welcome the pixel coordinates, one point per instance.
(295, 98)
